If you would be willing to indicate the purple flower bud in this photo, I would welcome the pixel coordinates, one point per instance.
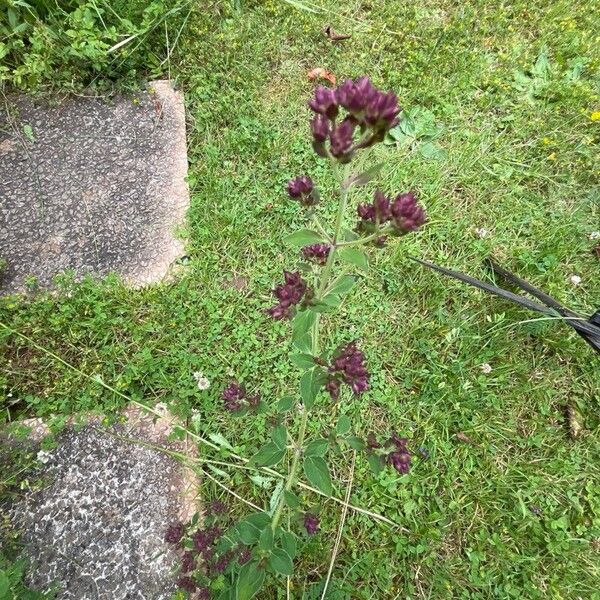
(174, 533)
(233, 395)
(400, 457)
(341, 139)
(317, 253)
(220, 564)
(320, 128)
(245, 555)
(366, 212)
(311, 523)
(333, 387)
(382, 110)
(379, 211)
(217, 507)
(407, 214)
(300, 186)
(348, 366)
(203, 593)
(324, 102)
(354, 96)
(289, 294)
(188, 562)
(187, 583)
(400, 461)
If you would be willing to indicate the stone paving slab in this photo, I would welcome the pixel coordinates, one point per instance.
(96, 527)
(92, 185)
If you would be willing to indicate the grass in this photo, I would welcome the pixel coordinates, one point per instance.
(510, 88)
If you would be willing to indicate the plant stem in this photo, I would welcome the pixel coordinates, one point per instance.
(322, 286)
(365, 240)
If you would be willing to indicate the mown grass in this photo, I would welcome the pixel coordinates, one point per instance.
(514, 513)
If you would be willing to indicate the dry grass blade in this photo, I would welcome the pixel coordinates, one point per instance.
(340, 531)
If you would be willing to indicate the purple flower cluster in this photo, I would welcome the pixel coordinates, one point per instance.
(394, 452)
(204, 539)
(371, 111)
(202, 560)
(400, 457)
(174, 533)
(302, 189)
(348, 367)
(235, 399)
(311, 523)
(404, 213)
(289, 294)
(316, 253)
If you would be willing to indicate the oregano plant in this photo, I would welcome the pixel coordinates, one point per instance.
(348, 121)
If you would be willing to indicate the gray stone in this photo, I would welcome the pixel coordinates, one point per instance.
(92, 186)
(96, 527)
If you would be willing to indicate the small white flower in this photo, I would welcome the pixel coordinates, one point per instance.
(575, 279)
(203, 382)
(595, 235)
(481, 232)
(486, 368)
(43, 456)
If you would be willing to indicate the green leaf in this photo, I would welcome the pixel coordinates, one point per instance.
(375, 463)
(218, 439)
(362, 178)
(310, 384)
(288, 541)
(317, 472)
(249, 581)
(304, 343)
(4, 585)
(303, 322)
(265, 542)
(28, 132)
(269, 455)
(259, 519)
(285, 404)
(343, 425)
(355, 443)
(281, 562)
(342, 285)
(432, 151)
(303, 237)
(354, 256)
(291, 499)
(328, 303)
(279, 436)
(350, 236)
(301, 333)
(302, 361)
(250, 528)
(276, 496)
(317, 447)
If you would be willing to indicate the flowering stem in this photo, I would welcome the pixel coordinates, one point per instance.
(322, 286)
(365, 240)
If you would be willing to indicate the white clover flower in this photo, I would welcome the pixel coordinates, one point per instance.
(481, 232)
(575, 279)
(595, 235)
(43, 456)
(486, 368)
(202, 382)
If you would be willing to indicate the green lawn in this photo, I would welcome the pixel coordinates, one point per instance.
(502, 94)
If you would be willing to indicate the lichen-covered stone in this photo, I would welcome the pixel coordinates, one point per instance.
(93, 186)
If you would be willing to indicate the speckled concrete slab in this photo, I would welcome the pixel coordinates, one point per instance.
(96, 528)
(92, 185)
